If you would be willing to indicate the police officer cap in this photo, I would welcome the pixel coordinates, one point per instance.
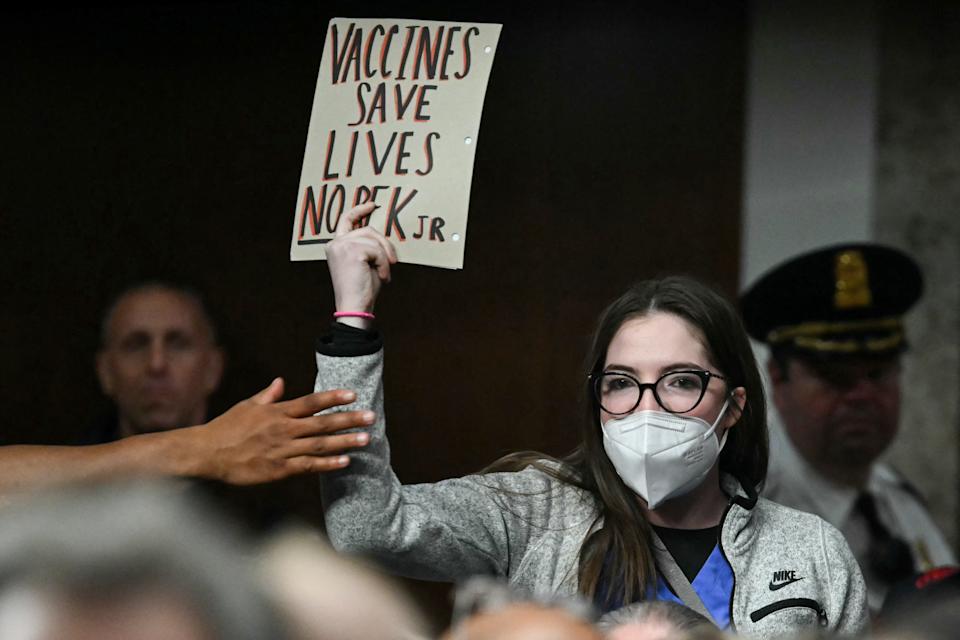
(844, 300)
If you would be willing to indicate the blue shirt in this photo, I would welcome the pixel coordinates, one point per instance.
(713, 583)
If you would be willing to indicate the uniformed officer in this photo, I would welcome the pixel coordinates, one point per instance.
(833, 321)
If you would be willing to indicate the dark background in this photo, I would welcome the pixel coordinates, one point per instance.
(152, 139)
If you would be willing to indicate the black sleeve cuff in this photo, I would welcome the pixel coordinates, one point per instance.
(346, 341)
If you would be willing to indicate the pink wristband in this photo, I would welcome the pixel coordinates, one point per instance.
(354, 314)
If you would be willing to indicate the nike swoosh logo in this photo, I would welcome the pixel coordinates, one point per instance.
(775, 587)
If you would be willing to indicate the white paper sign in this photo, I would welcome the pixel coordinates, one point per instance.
(396, 119)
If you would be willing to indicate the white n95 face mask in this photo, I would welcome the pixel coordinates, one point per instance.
(662, 455)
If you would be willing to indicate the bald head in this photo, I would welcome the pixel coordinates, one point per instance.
(524, 621)
(655, 620)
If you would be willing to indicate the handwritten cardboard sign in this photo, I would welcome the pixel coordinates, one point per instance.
(396, 118)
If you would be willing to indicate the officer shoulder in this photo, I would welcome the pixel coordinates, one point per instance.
(891, 478)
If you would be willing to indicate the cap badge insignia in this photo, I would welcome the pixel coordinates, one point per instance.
(852, 281)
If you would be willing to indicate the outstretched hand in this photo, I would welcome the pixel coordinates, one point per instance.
(359, 261)
(261, 439)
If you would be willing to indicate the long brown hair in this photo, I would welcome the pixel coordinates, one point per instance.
(620, 548)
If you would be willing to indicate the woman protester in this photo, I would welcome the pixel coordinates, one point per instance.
(659, 500)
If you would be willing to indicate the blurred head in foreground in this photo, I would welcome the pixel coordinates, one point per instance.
(486, 609)
(655, 620)
(325, 596)
(138, 561)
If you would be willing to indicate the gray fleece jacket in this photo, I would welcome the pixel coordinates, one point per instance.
(792, 570)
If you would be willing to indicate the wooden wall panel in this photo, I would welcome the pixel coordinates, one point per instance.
(167, 137)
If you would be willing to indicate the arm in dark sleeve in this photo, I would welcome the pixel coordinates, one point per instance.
(345, 341)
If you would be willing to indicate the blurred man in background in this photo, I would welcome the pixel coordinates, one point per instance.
(159, 360)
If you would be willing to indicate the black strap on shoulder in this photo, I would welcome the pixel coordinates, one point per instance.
(748, 501)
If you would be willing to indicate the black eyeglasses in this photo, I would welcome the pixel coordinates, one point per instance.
(676, 391)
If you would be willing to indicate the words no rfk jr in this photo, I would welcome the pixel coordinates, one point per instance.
(325, 213)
